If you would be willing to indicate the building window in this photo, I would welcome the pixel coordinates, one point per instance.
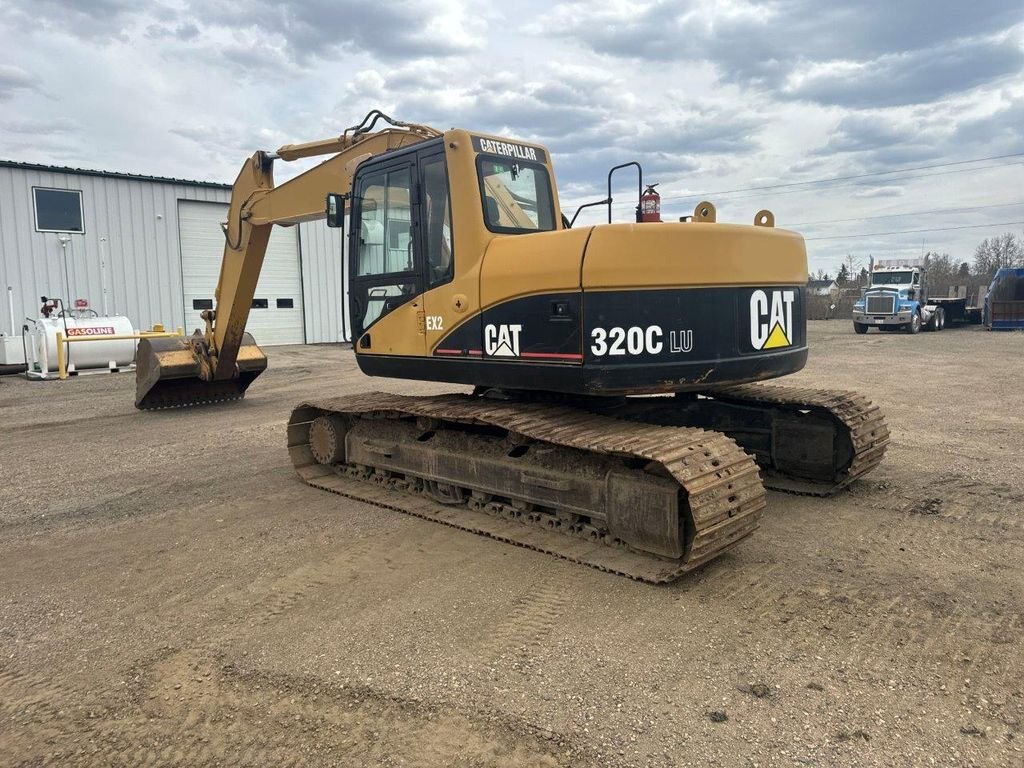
(260, 304)
(58, 210)
(285, 304)
(202, 303)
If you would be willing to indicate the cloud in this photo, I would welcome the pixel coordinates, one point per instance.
(708, 97)
(14, 78)
(837, 53)
(87, 19)
(40, 127)
(322, 28)
(243, 31)
(871, 130)
(910, 77)
(1001, 127)
(872, 192)
(589, 119)
(185, 31)
(876, 140)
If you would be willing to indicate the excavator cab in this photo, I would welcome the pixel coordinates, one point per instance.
(400, 244)
(462, 270)
(406, 208)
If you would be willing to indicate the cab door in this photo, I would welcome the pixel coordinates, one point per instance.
(436, 242)
(386, 264)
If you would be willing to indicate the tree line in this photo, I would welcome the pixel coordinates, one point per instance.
(991, 254)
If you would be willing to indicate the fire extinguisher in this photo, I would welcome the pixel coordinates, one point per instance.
(650, 204)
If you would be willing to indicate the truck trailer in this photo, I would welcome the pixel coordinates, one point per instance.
(1004, 303)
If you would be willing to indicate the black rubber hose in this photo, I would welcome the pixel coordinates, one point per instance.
(24, 347)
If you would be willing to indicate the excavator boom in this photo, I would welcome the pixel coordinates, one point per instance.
(221, 362)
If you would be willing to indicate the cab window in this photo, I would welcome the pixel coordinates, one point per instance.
(385, 224)
(436, 211)
(385, 259)
(516, 196)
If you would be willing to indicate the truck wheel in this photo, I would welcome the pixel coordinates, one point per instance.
(915, 323)
(860, 328)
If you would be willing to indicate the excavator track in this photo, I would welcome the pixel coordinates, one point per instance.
(807, 441)
(647, 502)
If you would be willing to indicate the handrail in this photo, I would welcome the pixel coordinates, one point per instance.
(639, 187)
(62, 370)
(607, 201)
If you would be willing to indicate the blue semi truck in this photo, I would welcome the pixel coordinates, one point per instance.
(897, 299)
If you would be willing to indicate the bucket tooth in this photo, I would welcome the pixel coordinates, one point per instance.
(175, 373)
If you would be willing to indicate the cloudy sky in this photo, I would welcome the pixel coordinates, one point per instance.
(921, 100)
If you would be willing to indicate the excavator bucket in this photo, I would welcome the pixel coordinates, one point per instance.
(176, 373)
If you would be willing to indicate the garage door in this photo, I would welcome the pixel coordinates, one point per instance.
(276, 315)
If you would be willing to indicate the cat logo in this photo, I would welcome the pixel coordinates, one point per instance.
(771, 319)
(502, 340)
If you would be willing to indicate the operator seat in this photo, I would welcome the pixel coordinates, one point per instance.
(491, 212)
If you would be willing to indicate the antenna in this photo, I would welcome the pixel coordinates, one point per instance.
(64, 240)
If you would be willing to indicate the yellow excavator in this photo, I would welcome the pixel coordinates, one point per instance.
(614, 419)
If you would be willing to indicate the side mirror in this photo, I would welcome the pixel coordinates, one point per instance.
(336, 210)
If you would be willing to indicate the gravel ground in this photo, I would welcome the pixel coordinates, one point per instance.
(170, 594)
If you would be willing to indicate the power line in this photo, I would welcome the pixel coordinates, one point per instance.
(916, 231)
(851, 178)
(931, 212)
(792, 191)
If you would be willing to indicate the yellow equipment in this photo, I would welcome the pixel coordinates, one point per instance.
(462, 269)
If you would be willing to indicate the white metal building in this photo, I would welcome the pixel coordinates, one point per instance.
(150, 248)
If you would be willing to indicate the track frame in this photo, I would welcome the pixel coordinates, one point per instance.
(720, 494)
